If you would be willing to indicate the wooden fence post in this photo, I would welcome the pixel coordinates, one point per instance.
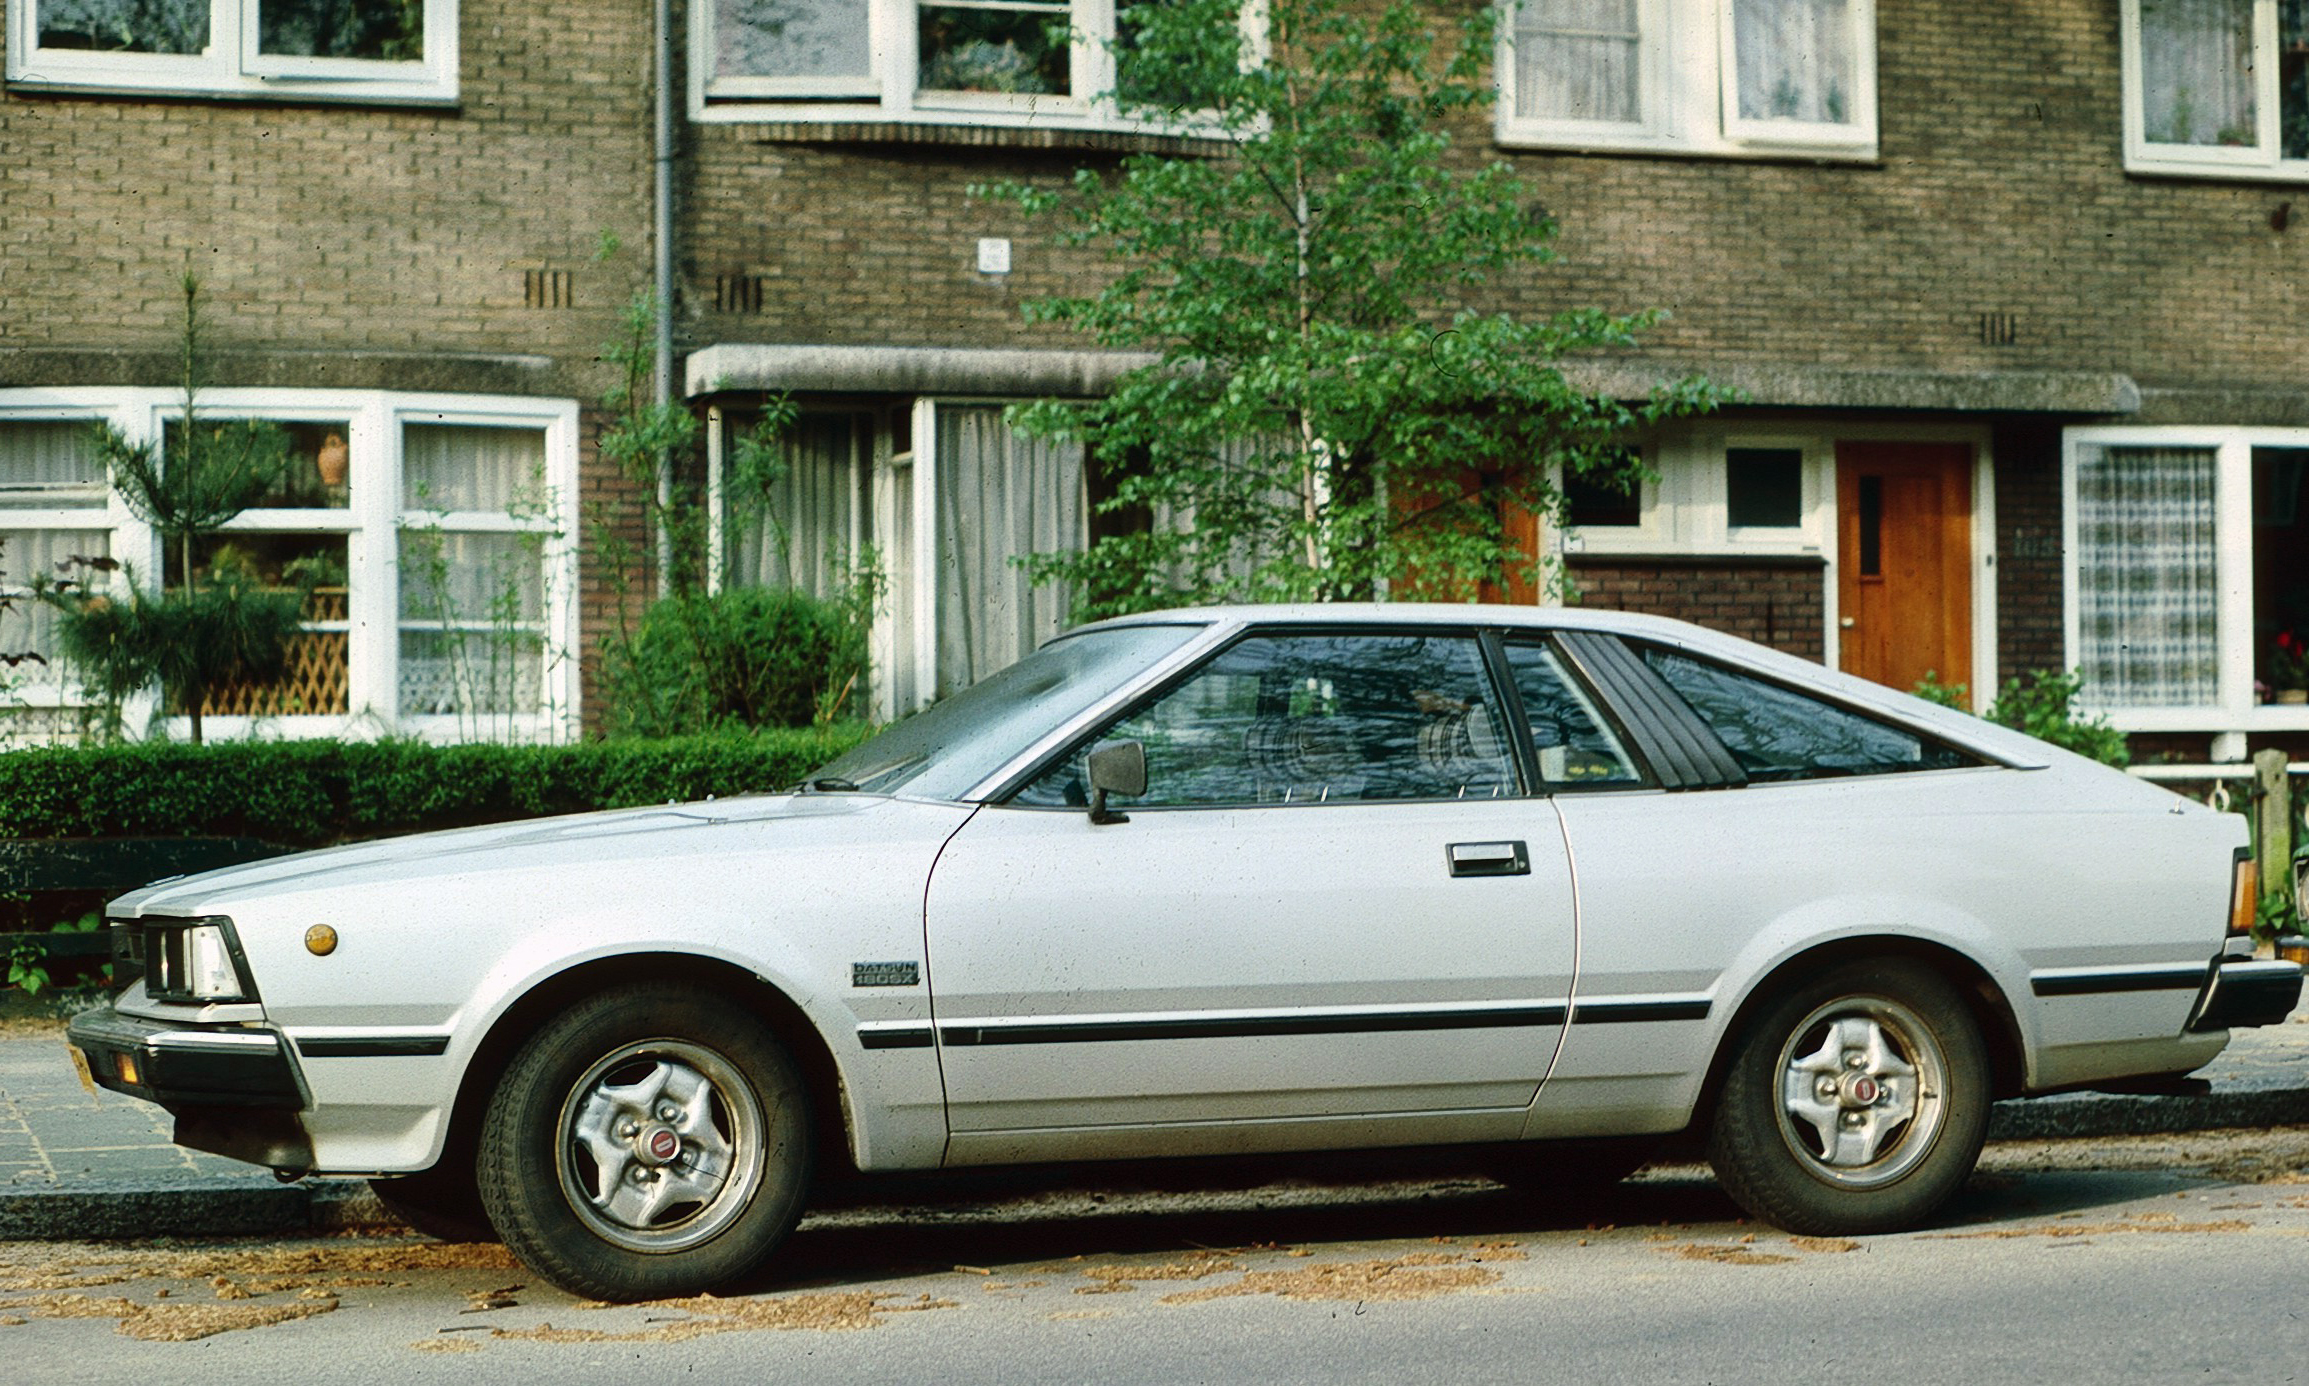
(2273, 826)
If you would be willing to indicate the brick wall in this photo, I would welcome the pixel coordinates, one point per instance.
(1999, 189)
(1773, 603)
(2029, 572)
(342, 228)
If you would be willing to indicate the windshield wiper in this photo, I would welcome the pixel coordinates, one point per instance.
(828, 784)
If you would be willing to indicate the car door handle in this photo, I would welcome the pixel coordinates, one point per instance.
(1488, 859)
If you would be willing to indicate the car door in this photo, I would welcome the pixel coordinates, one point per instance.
(1334, 918)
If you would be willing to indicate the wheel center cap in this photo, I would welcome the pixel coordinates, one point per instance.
(657, 1145)
(1860, 1090)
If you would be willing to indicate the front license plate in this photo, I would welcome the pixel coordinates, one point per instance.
(80, 1066)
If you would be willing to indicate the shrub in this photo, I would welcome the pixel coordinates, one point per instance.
(2043, 704)
(313, 793)
(745, 657)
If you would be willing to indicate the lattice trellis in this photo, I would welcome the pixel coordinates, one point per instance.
(313, 683)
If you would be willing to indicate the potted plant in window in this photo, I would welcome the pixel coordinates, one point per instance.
(2289, 667)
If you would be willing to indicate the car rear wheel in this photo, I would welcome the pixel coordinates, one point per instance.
(648, 1142)
(1854, 1103)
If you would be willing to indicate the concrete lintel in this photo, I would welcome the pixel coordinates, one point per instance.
(1831, 387)
(896, 370)
(2243, 407)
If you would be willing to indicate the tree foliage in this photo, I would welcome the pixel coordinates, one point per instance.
(1325, 417)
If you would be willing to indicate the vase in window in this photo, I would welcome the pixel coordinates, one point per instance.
(334, 460)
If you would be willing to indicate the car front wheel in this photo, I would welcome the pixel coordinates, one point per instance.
(1854, 1103)
(648, 1142)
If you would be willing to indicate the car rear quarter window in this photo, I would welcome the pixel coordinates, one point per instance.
(1574, 746)
(1778, 733)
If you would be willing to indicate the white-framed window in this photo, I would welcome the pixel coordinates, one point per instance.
(2217, 87)
(56, 515)
(1048, 63)
(434, 537)
(1721, 77)
(943, 496)
(1713, 492)
(399, 52)
(2187, 575)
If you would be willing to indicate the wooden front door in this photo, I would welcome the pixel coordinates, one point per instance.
(1904, 558)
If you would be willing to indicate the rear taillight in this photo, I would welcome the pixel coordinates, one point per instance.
(2244, 895)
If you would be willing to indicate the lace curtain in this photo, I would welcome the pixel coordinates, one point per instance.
(1578, 60)
(1000, 496)
(48, 457)
(1795, 59)
(2147, 584)
(791, 38)
(29, 625)
(2197, 84)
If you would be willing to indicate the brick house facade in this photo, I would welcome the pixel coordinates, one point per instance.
(2009, 298)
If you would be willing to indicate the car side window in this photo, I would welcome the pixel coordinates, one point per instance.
(1777, 733)
(1576, 748)
(1311, 719)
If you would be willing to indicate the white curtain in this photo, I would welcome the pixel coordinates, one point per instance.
(791, 38)
(1000, 496)
(30, 626)
(2147, 585)
(2197, 84)
(1795, 60)
(804, 538)
(1579, 60)
(49, 456)
(452, 467)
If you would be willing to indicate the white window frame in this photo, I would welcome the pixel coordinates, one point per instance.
(1691, 95)
(2233, 709)
(890, 93)
(51, 685)
(233, 67)
(372, 522)
(2261, 161)
(1686, 509)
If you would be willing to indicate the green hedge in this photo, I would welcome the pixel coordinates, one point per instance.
(309, 793)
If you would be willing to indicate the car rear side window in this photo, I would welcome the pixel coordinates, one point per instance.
(1777, 733)
(1576, 748)
(1313, 719)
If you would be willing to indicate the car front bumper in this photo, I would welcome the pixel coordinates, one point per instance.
(181, 1066)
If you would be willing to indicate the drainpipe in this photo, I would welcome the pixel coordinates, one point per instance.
(662, 394)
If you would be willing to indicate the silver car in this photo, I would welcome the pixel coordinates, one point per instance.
(1216, 881)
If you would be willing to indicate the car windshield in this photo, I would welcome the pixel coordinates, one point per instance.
(940, 752)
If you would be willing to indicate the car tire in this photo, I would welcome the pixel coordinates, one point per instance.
(1853, 1103)
(648, 1142)
(443, 1202)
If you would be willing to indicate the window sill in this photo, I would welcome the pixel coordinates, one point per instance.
(394, 95)
(1863, 155)
(1689, 556)
(2141, 166)
(950, 128)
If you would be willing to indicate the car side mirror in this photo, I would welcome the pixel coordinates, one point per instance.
(1114, 767)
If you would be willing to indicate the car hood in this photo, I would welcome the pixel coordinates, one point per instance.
(589, 839)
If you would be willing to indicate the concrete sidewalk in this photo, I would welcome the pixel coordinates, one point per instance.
(76, 1163)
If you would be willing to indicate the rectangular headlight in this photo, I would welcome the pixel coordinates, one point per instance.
(193, 961)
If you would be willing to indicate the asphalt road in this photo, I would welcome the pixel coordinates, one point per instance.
(2138, 1259)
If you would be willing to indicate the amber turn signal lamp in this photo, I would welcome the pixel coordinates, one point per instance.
(125, 1066)
(2244, 896)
